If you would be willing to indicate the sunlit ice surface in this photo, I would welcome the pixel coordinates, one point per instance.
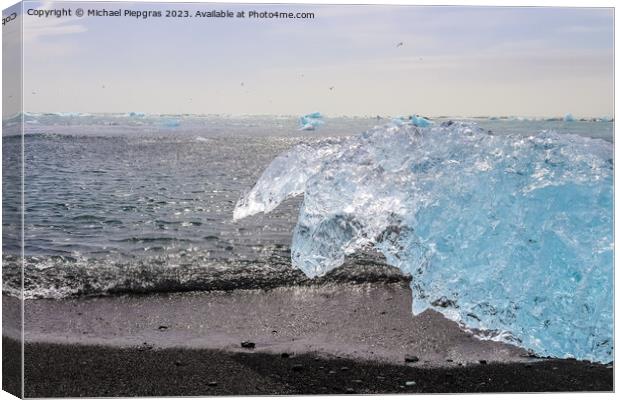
(509, 235)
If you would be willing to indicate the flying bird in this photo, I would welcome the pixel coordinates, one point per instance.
(399, 44)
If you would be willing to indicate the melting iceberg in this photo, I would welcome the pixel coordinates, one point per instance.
(310, 122)
(507, 235)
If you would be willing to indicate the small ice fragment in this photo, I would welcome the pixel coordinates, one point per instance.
(420, 121)
(398, 121)
(568, 117)
(310, 122)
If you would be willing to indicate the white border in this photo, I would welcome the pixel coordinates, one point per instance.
(522, 3)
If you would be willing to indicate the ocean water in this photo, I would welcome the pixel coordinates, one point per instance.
(143, 202)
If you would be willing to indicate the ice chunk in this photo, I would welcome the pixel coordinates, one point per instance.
(399, 121)
(420, 121)
(134, 114)
(516, 232)
(414, 120)
(568, 117)
(310, 122)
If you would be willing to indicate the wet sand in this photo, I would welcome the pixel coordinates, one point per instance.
(334, 338)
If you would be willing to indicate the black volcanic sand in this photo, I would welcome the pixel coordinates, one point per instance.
(340, 338)
(54, 370)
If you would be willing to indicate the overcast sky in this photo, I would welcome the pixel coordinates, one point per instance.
(452, 61)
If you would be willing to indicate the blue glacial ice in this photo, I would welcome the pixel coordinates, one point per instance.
(510, 236)
(568, 117)
(420, 121)
(414, 120)
(310, 122)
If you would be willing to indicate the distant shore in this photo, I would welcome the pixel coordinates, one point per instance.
(335, 338)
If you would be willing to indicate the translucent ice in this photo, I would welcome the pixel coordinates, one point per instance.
(420, 121)
(414, 120)
(507, 235)
(310, 122)
(568, 117)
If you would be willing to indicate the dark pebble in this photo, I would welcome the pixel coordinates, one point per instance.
(482, 361)
(411, 359)
(212, 383)
(449, 360)
(248, 345)
(344, 368)
(285, 355)
(350, 390)
(178, 363)
(162, 327)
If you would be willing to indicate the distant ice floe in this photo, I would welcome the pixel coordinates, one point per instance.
(568, 117)
(414, 120)
(310, 122)
(507, 234)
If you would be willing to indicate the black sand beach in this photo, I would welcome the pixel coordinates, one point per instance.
(332, 338)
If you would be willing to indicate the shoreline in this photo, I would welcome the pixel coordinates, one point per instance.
(325, 339)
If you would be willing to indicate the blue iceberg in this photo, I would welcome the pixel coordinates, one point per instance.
(414, 120)
(568, 117)
(513, 232)
(420, 121)
(310, 122)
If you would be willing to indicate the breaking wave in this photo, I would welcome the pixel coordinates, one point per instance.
(58, 277)
(510, 234)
